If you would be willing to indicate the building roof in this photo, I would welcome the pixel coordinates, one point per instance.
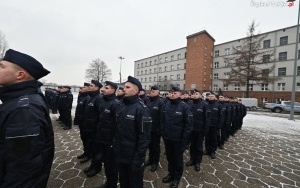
(199, 33)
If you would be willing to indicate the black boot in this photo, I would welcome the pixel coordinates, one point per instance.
(167, 179)
(92, 173)
(154, 167)
(174, 184)
(190, 163)
(197, 167)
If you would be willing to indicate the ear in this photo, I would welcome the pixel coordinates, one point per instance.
(21, 75)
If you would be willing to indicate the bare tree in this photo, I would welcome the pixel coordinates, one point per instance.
(3, 45)
(250, 63)
(98, 70)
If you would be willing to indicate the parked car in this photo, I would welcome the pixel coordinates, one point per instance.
(282, 106)
(250, 103)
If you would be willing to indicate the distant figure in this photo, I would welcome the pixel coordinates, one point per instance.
(26, 139)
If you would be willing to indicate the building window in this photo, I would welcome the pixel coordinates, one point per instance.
(184, 76)
(150, 71)
(166, 77)
(264, 100)
(179, 56)
(171, 77)
(226, 62)
(160, 61)
(150, 63)
(298, 54)
(216, 76)
(178, 66)
(267, 43)
(146, 64)
(226, 74)
(145, 71)
(142, 72)
(138, 72)
(141, 79)
(185, 55)
(225, 87)
(298, 71)
(236, 87)
(217, 53)
(184, 65)
(159, 78)
(150, 79)
(215, 87)
(154, 70)
(227, 51)
(145, 87)
(154, 79)
(281, 86)
(172, 58)
(283, 40)
(172, 67)
(264, 87)
(138, 65)
(145, 79)
(154, 62)
(166, 68)
(216, 64)
(265, 72)
(142, 65)
(282, 71)
(266, 58)
(178, 76)
(298, 86)
(160, 69)
(282, 56)
(166, 59)
(250, 87)
(238, 48)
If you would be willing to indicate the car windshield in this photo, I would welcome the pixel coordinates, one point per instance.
(287, 103)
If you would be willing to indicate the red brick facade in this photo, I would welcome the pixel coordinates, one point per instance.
(199, 59)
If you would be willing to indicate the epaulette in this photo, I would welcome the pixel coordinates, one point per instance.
(23, 101)
(185, 103)
(143, 104)
(117, 101)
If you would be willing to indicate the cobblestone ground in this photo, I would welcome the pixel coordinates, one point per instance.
(253, 158)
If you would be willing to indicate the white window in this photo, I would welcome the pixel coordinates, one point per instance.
(142, 65)
(141, 79)
(281, 86)
(171, 77)
(154, 62)
(250, 87)
(227, 51)
(138, 72)
(145, 79)
(172, 57)
(172, 67)
(146, 64)
(166, 68)
(236, 87)
(225, 87)
(138, 65)
(154, 70)
(160, 61)
(215, 87)
(264, 87)
(298, 86)
(159, 78)
(178, 66)
(145, 71)
(226, 74)
(166, 77)
(166, 59)
(146, 87)
(150, 71)
(217, 53)
(264, 100)
(178, 56)
(238, 48)
(142, 72)
(226, 62)
(150, 63)
(216, 76)
(150, 79)
(178, 76)
(216, 64)
(154, 79)
(160, 69)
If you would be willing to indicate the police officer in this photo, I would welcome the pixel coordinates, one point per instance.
(66, 101)
(242, 114)
(143, 96)
(235, 116)
(91, 121)
(132, 136)
(26, 139)
(201, 115)
(177, 124)
(155, 106)
(79, 117)
(105, 134)
(216, 120)
(120, 94)
(58, 102)
(222, 133)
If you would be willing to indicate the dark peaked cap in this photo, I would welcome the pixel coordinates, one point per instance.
(174, 88)
(121, 88)
(97, 83)
(154, 88)
(86, 84)
(135, 82)
(111, 84)
(196, 90)
(28, 63)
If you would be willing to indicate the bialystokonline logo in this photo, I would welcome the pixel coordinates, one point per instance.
(267, 4)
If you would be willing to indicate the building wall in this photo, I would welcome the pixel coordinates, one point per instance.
(199, 58)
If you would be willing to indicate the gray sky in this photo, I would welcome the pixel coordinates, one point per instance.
(65, 35)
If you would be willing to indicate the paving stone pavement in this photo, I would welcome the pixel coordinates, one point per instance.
(253, 158)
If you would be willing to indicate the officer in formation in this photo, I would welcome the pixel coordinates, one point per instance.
(120, 94)
(155, 107)
(143, 96)
(201, 115)
(90, 123)
(177, 122)
(26, 139)
(132, 136)
(65, 101)
(223, 131)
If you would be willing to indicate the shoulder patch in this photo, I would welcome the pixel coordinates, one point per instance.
(143, 104)
(23, 101)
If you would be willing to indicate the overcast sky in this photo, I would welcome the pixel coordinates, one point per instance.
(66, 35)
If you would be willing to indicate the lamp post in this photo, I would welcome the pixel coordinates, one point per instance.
(295, 67)
(121, 58)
